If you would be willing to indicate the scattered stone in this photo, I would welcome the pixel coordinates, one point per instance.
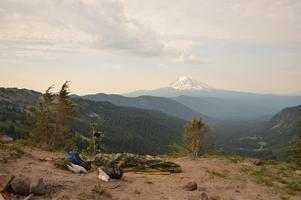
(137, 192)
(191, 186)
(40, 188)
(21, 185)
(257, 162)
(204, 196)
(298, 172)
(149, 182)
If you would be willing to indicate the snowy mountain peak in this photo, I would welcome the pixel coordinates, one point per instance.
(186, 83)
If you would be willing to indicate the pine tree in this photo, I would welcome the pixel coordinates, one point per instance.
(195, 134)
(65, 113)
(42, 118)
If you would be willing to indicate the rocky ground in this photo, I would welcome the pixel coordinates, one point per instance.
(216, 178)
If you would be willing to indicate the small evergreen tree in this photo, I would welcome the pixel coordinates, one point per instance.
(42, 118)
(52, 117)
(195, 134)
(65, 113)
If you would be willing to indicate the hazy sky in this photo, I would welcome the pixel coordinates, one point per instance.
(120, 46)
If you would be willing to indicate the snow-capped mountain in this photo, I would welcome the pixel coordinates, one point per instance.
(186, 83)
(219, 103)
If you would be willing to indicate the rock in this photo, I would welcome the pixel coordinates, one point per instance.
(298, 172)
(40, 188)
(191, 186)
(114, 172)
(21, 185)
(204, 196)
(257, 162)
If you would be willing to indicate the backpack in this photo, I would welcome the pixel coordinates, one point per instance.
(74, 158)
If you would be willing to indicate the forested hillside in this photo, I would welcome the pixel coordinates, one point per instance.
(126, 129)
(265, 139)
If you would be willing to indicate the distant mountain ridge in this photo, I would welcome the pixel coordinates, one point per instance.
(165, 105)
(221, 104)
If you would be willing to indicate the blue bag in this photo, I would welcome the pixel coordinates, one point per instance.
(73, 157)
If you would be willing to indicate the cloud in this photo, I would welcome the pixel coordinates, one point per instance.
(259, 21)
(77, 24)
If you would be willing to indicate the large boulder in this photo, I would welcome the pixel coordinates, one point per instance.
(134, 162)
(21, 185)
(39, 188)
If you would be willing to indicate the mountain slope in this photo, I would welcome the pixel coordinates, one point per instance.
(283, 127)
(165, 105)
(265, 139)
(127, 129)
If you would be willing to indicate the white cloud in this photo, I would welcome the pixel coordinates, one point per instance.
(260, 21)
(82, 24)
(160, 29)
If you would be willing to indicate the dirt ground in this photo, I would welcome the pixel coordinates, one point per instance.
(220, 185)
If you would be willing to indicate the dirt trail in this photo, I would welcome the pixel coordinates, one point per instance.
(66, 185)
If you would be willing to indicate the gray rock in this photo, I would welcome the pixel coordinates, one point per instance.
(21, 185)
(191, 186)
(40, 188)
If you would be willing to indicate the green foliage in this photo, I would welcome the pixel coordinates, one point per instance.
(10, 150)
(195, 134)
(42, 118)
(61, 163)
(214, 150)
(177, 150)
(65, 113)
(235, 159)
(51, 119)
(280, 177)
(99, 189)
(296, 150)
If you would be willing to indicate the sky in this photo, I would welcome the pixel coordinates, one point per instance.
(118, 46)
